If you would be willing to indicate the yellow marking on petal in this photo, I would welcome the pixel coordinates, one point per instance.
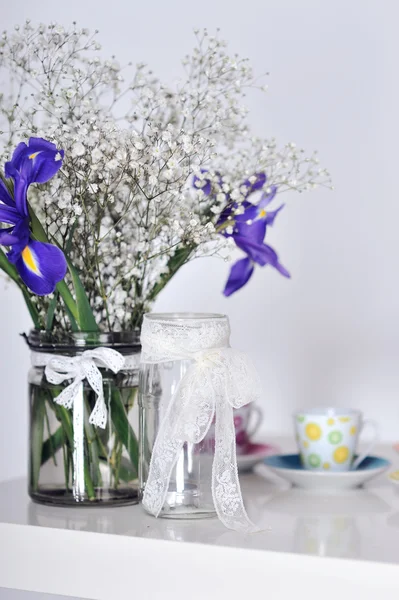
(29, 259)
(32, 156)
(262, 213)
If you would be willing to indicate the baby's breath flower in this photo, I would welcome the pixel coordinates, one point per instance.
(78, 149)
(124, 201)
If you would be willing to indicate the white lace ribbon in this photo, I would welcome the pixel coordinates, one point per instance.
(219, 380)
(59, 368)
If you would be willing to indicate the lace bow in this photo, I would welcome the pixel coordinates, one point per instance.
(85, 366)
(219, 380)
(62, 368)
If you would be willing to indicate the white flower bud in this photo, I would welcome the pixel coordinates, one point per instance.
(78, 149)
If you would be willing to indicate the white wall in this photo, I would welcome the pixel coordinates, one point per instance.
(331, 334)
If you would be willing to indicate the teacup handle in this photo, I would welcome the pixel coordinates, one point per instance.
(371, 445)
(258, 419)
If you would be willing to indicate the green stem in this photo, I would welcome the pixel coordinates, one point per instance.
(90, 490)
(12, 273)
(179, 258)
(123, 428)
(49, 440)
(40, 235)
(93, 449)
(37, 227)
(70, 304)
(126, 474)
(85, 316)
(103, 452)
(65, 418)
(52, 445)
(36, 440)
(67, 462)
(116, 461)
(51, 311)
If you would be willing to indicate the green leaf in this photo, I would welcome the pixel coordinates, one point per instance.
(123, 428)
(8, 268)
(85, 318)
(70, 304)
(36, 439)
(12, 273)
(126, 472)
(32, 309)
(179, 258)
(63, 289)
(65, 419)
(52, 444)
(93, 447)
(51, 311)
(37, 227)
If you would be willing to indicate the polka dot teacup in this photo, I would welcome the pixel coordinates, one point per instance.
(328, 437)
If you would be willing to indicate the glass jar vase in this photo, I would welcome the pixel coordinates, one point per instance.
(173, 342)
(189, 492)
(65, 446)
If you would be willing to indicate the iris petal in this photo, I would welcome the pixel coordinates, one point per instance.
(41, 266)
(9, 215)
(225, 215)
(37, 144)
(21, 233)
(260, 180)
(250, 212)
(259, 253)
(249, 231)
(240, 273)
(20, 195)
(11, 167)
(7, 238)
(45, 166)
(271, 215)
(36, 162)
(204, 184)
(267, 198)
(5, 195)
(282, 270)
(23, 151)
(255, 232)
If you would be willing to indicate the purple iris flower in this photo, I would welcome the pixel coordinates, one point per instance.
(40, 265)
(249, 230)
(205, 184)
(37, 162)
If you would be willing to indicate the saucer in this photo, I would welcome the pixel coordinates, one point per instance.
(289, 467)
(254, 454)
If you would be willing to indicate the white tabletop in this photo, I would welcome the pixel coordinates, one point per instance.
(362, 524)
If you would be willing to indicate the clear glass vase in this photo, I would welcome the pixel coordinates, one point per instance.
(189, 493)
(110, 455)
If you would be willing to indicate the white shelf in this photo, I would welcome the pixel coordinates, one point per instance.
(107, 554)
